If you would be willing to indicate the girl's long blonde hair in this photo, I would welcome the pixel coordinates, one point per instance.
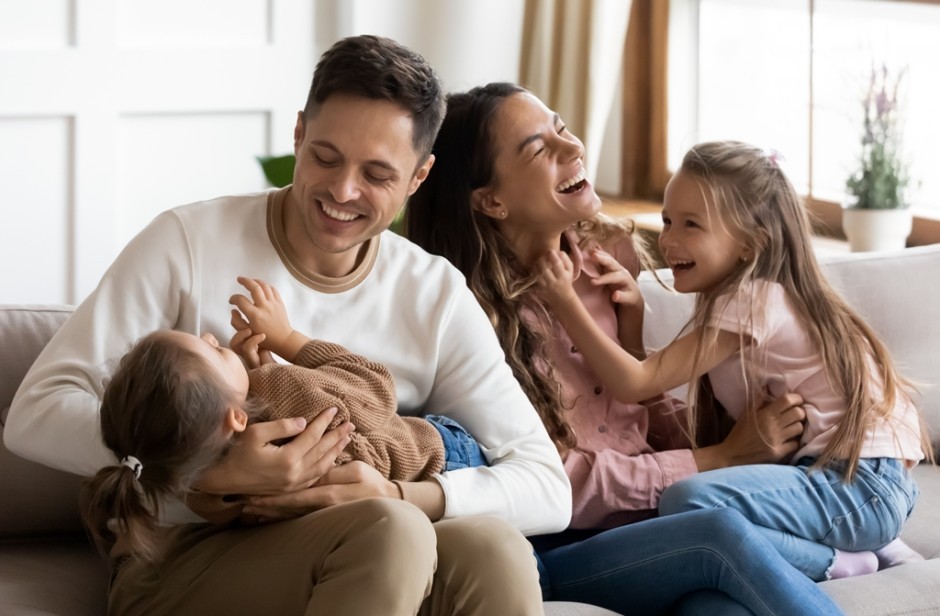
(746, 189)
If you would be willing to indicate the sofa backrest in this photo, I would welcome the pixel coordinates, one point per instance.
(897, 292)
(34, 499)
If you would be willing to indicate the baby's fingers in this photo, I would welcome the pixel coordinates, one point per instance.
(255, 287)
(237, 342)
(238, 320)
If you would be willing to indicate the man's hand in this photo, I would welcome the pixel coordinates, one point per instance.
(254, 465)
(342, 484)
(767, 435)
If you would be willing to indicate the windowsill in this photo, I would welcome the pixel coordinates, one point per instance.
(827, 223)
(648, 218)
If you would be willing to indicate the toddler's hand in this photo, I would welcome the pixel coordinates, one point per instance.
(555, 274)
(263, 313)
(625, 290)
(248, 345)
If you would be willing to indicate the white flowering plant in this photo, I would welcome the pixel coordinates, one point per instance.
(882, 177)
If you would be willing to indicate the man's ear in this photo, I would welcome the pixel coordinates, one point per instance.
(421, 174)
(299, 130)
(236, 419)
(486, 203)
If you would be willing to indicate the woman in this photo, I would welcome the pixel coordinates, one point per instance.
(507, 188)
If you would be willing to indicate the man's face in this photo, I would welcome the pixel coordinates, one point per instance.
(355, 167)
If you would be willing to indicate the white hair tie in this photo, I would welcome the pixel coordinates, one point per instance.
(774, 156)
(134, 464)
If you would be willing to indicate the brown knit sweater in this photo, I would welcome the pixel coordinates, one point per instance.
(327, 375)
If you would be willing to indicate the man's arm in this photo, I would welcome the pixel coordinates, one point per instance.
(54, 416)
(525, 483)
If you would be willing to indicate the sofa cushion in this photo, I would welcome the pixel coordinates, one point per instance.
(36, 499)
(921, 531)
(53, 576)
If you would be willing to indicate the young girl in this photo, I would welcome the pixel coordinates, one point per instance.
(766, 322)
(177, 400)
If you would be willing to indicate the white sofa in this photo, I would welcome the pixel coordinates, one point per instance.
(48, 568)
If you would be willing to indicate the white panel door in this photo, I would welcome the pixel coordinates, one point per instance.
(112, 111)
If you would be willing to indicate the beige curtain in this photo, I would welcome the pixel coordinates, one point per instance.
(572, 52)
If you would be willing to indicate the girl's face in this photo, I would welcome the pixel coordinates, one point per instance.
(539, 183)
(223, 360)
(696, 245)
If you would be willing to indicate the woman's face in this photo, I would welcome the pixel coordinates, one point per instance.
(539, 177)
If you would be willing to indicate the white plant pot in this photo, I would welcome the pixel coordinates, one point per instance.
(876, 229)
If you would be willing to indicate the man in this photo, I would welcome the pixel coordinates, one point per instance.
(363, 145)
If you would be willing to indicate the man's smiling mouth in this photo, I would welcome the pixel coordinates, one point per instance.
(338, 214)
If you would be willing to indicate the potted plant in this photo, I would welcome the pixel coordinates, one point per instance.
(876, 215)
(279, 171)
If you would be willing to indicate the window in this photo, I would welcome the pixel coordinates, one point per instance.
(790, 74)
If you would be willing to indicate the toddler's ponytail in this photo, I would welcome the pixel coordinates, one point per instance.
(161, 416)
(118, 501)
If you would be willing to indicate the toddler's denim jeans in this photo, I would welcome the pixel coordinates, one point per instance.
(460, 449)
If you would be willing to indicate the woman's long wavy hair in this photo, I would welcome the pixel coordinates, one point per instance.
(164, 405)
(752, 197)
(440, 218)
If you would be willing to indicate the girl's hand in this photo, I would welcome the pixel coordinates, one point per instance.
(264, 313)
(625, 290)
(555, 274)
(248, 345)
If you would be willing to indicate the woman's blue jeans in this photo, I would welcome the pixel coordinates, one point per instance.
(805, 512)
(659, 565)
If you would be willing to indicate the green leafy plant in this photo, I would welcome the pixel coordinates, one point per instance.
(882, 177)
(279, 171)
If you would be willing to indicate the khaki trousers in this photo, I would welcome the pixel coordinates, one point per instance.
(375, 556)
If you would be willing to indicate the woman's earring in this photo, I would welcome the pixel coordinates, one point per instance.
(503, 214)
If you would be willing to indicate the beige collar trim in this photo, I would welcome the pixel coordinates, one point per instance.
(314, 280)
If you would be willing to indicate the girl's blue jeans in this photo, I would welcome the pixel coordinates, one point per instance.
(806, 513)
(702, 562)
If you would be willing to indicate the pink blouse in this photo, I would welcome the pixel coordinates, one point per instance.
(627, 454)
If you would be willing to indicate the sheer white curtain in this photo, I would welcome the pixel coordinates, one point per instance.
(572, 52)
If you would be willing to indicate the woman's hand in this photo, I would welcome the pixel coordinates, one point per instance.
(254, 465)
(768, 435)
(341, 484)
(554, 273)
